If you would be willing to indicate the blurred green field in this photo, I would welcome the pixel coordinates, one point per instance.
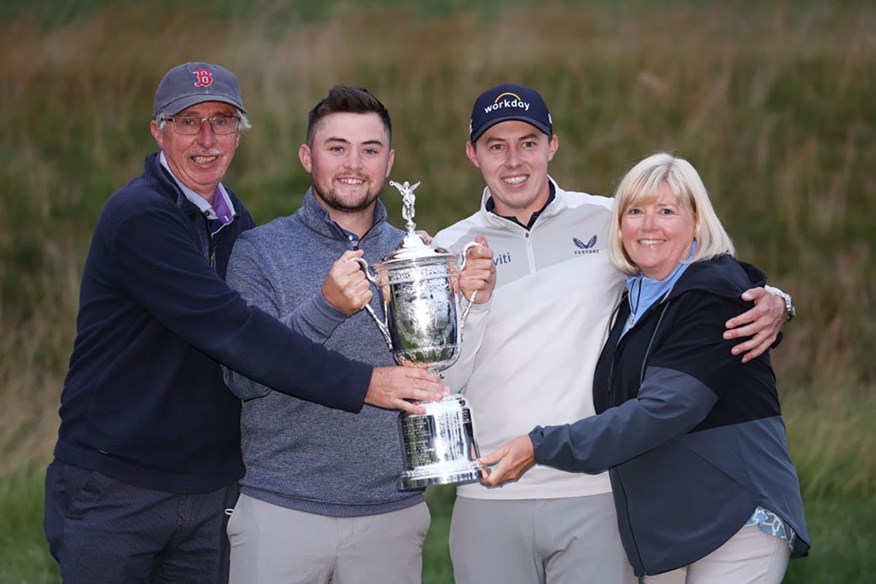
(774, 103)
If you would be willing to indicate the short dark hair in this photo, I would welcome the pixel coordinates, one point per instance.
(345, 99)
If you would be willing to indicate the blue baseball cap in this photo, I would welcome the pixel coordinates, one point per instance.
(192, 83)
(509, 102)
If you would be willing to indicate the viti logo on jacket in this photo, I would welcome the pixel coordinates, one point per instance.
(586, 247)
(502, 258)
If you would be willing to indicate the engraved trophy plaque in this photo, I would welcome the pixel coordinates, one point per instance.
(422, 329)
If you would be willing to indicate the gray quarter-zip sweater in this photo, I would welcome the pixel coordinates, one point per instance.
(299, 454)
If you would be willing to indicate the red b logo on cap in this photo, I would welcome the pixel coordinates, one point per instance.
(203, 77)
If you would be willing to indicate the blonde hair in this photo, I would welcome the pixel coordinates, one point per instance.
(641, 184)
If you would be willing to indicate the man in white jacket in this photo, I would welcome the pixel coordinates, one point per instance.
(529, 354)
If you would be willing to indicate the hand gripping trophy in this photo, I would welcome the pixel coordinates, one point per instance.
(422, 329)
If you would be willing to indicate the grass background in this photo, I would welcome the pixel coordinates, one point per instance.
(774, 103)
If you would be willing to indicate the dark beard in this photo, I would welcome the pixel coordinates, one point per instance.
(333, 202)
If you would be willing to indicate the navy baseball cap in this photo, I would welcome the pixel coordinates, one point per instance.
(192, 83)
(509, 102)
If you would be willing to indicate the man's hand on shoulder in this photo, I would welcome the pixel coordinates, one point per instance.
(761, 323)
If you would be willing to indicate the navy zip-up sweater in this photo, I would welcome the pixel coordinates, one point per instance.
(144, 400)
(692, 437)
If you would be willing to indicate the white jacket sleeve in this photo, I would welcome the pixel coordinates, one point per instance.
(456, 377)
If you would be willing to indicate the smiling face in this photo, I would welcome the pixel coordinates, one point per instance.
(199, 161)
(657, 232)
(349, 160)
(513, 157)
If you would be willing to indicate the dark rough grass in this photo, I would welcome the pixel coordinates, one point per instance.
(841, 529)
(24, 553)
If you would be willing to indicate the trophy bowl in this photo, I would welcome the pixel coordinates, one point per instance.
(420, 308)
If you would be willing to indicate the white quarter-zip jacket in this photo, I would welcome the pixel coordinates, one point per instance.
(528, 355)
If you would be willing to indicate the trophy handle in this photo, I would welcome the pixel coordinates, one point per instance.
(474, 295)
(370, 275)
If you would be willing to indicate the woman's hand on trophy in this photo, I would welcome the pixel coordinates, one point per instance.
(479, 272)
(398, 387)
(509, 462)
(346, 287)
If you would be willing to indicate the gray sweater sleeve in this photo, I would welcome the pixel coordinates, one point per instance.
(250, 275)
(316, 318)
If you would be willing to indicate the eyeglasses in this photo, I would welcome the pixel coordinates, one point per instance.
(191, 126)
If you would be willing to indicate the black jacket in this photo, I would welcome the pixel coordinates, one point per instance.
(693, 438)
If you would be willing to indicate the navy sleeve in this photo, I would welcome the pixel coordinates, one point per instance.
(689, 369)
(314, 318)
(160, 264)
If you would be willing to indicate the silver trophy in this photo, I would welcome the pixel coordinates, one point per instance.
(422, 329)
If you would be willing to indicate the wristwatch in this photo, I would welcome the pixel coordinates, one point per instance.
(789, 302)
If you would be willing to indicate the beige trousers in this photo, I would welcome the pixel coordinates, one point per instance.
(749, 557)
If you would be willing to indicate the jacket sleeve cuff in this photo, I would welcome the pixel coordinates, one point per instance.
(316, 319)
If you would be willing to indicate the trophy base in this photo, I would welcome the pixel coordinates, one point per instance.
(441, 474)
(439, 445)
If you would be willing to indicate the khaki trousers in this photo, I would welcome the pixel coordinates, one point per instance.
(749, 557)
